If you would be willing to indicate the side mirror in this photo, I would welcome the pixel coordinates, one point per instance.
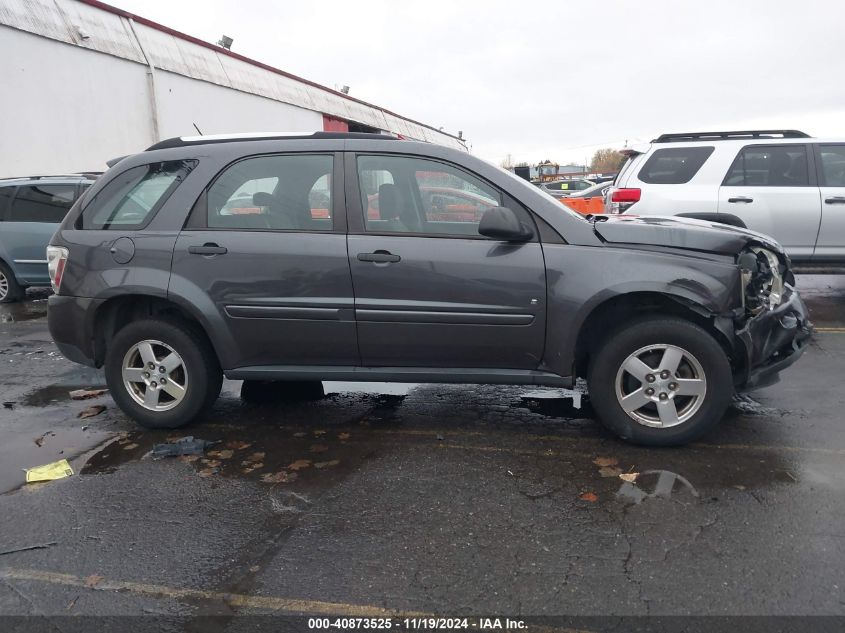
(501, 223)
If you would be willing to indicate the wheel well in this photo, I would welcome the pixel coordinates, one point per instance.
(118, 312)
(607, 317)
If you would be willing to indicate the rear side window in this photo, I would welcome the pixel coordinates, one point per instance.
(42, 203)
(130, 200)
(769, 166)
(832, 166)
(6, 194)
(290, 192)
(674, 165)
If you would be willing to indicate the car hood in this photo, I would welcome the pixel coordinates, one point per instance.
(686, 233)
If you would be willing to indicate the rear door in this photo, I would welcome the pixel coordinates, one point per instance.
(830, 161)
(35, 212)
(773, 189)
(429, 290)
(264, 255)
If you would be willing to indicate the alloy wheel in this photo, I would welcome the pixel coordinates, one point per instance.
(155, 376)
(661, 386)
(4, 285)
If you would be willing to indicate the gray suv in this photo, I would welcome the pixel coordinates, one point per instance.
(309, 258)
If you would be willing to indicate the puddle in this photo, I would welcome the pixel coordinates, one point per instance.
(657, 484)
(374, 388)
(20, 450)
(53, 393)
(23, 311)
(558, 403)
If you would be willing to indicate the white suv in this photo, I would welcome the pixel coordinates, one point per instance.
(779, 182)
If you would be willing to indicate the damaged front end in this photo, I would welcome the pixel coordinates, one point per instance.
(772, 326)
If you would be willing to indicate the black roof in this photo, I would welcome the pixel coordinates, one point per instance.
(235, 138)
(726, 136)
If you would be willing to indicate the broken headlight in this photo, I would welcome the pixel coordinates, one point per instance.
(762, 279)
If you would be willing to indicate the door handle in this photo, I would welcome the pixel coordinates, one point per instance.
(835, 200)
(379, 257)
(741, 199)
(209, 248)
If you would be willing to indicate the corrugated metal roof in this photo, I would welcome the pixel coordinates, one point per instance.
(100, 27)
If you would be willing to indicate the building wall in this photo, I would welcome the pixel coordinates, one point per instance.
(75, 90)
(66, 109)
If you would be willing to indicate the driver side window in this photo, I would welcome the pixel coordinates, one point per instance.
(277, 193)
(402, 194)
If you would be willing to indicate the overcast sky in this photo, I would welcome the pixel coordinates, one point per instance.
(551, 80)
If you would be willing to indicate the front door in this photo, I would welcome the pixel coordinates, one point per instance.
(772, 189)
(264, 254)
(429, 290)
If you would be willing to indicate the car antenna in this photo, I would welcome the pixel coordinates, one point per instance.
(197, 129)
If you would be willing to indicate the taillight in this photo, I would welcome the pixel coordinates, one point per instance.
(622, 199)
(56, 260)
(626, 195)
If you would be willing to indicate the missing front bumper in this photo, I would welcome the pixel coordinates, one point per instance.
(773, 340)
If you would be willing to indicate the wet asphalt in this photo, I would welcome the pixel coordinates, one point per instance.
(435, 499)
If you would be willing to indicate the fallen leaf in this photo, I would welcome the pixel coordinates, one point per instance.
(605, 461)
(254, 568)
(300, 434)
(319, 433)
(84, 394)
(72, 603)
(130, 447)
(91, 411)
(629, 477)
(39, 441)
(280, 477)
(188, 459)
(588, 496)
(299, 464)
(256, 457)
(208, 472)
(226, 453)
(93, 580)
(238, 445)
(333, 462)
(608, 471)
(211, 463)
(343, 436)
(319, 448)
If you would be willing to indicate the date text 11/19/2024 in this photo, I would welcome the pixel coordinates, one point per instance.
(418, 624)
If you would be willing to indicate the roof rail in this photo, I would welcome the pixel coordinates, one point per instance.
(726, 136)
(91, 175)
(184, 141)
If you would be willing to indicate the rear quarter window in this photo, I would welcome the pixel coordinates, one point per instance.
(131, 199)
(673, 165)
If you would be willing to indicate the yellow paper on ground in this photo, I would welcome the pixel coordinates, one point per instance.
(48, 472)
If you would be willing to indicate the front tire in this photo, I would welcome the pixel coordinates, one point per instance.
(162, 373)
(660, 382)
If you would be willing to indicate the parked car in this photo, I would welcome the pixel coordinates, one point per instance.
(30, 212)
(779, 182)
(588, 201)
(561, 188)
(172, 295)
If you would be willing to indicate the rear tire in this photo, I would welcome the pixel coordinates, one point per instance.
(162, 373)
(10, 289)
(660, 382)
